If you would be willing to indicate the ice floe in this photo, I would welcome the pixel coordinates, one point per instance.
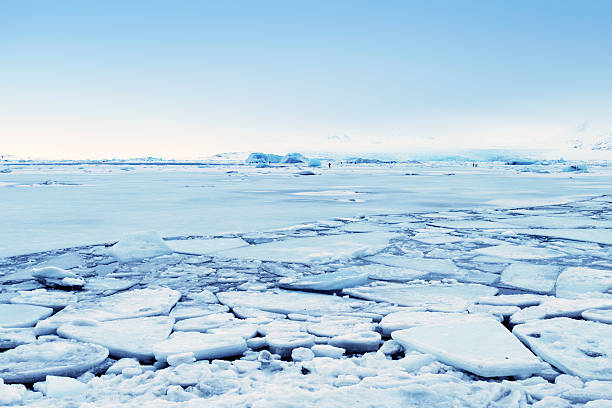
(574, 282)
(22, 315)
(532, 277)
(330, 281)
(576, 347)
(41, 297)
(32, 362)
(123, 338)
(433, 296)
(519, 252)
(479, 345)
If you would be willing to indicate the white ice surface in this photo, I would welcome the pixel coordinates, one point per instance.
(408, 318)
(518, 252)
(123, 338)
(439, 267)
(33, 362)
(343, 278)
(313, 249)
(285, 302)
(21, 315)
(479, 345)
(532, 277)
(576, 281)
(576, 347)
(431, 296)
(41, 297)
(205, 246)
(598, 315)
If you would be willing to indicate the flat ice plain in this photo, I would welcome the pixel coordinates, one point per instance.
(427, 284)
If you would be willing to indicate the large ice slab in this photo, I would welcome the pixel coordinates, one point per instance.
(313, 249)
(434, 296)
(285, 302)
(518, 252)
(576, 347)
(32, 362)
(205, 246)
(124, 305)
(18, 315)
(532, 277)
(123, 338)
(343, 278)
(138, 246)
(480, 345)
(574, 282)
(203, 346)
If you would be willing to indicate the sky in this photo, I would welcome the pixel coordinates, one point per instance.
(187, 79)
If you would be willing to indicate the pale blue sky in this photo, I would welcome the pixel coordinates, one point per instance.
(192, 78)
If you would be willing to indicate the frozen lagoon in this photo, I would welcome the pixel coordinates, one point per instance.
(473, 223)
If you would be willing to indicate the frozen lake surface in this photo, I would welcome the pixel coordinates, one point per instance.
(430, 284)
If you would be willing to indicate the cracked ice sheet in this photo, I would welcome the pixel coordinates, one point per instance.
(317, 249)
(205, 246)
(600, 236)
(433, 296)
(285, 302)
(577, 347)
